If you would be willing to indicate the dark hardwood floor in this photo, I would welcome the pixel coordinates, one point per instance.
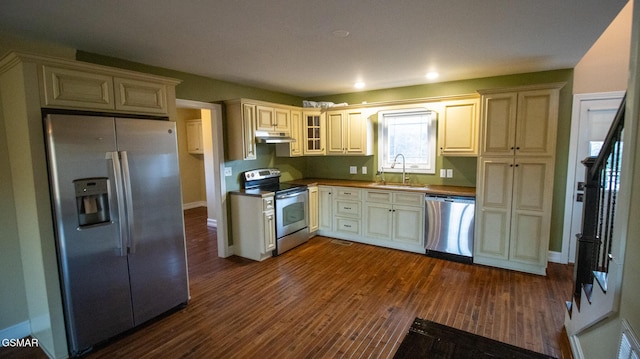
(327, 299)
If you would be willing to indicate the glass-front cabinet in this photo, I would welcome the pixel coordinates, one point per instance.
(314, 133)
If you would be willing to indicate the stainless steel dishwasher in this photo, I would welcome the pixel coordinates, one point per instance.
(449, 227)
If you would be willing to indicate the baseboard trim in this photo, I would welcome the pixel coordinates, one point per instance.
(212, 223)
(556, 257)
(16, 331)
(192, 205)
(576, 349)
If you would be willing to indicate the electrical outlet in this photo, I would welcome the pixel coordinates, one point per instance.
(443, 173)
(364, 170)
(353, 170)
(227, 171)
(449, 173)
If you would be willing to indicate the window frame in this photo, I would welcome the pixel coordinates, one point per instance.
(385, 163)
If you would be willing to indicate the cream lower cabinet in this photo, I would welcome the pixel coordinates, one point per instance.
(395, 218)
(514, 212)
(392, 219)
(314, 215)
(347, 211)
(325, 209)
(253, 239)
(340, 212)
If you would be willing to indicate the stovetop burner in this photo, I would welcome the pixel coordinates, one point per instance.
(268, 179)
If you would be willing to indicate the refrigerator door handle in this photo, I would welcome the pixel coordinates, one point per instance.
(117, 172)
(126, 180)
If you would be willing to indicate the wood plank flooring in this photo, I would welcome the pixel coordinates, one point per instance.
(326, 299)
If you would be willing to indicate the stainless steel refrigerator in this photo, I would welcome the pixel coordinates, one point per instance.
(119, 224)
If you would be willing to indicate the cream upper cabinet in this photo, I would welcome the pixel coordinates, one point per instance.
(296, 133)
(241, 126)
(522, 123)
(293, 149)
(273, 119)
(314, 132)
(194, 136)
(140, 96)
(76, 88)
(458, 127)
(348, 133)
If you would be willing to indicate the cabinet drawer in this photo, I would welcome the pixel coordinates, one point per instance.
(412, 199)
(378, 196)
(348, 193)
(347, 208)
(267, 203)
(347, 225)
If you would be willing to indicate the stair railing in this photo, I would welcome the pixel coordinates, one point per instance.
(602, 181)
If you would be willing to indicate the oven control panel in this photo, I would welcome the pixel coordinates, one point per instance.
(262, 173)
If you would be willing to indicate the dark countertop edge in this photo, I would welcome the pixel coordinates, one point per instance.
(426, 189)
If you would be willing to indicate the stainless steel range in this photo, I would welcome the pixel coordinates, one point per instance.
(291, 206)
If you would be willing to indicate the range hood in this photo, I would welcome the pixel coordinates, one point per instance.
(273, 137)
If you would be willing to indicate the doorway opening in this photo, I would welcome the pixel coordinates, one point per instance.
(213, 158)
(591, 118)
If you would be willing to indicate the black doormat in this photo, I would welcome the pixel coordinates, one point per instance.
(427, 339)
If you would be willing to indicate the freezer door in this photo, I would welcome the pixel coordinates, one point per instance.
(93, 264)
(157, 259)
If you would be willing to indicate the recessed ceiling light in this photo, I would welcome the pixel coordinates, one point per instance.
(340, 33)
(359, 85)
(432, 75)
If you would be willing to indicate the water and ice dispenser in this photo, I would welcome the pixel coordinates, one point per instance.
(92, 201)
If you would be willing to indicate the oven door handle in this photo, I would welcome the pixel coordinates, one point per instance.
(289, 195)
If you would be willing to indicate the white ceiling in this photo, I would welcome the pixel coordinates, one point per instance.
(289, 46)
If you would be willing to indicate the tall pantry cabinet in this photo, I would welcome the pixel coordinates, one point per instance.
(515, 177)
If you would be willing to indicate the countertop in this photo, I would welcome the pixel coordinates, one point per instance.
(423, 188)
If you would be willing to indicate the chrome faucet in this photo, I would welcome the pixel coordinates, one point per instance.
(404, 173)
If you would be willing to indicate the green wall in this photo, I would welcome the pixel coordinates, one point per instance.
(199, 88)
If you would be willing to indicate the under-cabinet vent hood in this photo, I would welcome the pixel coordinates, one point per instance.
(273, 137)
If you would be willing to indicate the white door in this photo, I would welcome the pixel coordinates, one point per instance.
(591, 119)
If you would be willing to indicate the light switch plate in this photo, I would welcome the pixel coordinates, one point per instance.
(443, 173)
(449, 173)
(227, 171)
(353, 170)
